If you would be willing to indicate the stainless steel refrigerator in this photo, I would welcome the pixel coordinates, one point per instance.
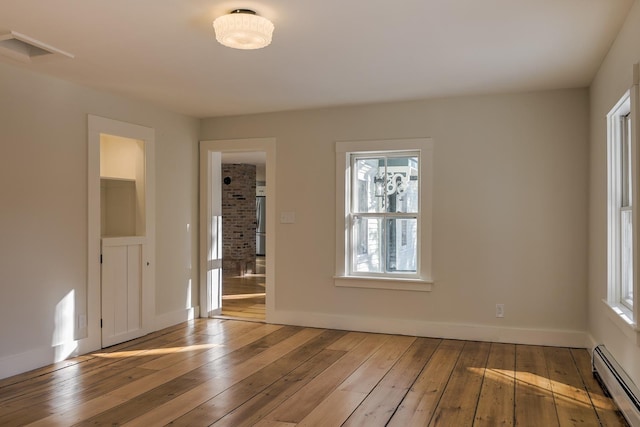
(261, 225)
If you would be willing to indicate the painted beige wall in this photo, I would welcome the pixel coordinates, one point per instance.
(119, 157)
(117, 208)
(43, 219)
(123, 203)
(613, 79)
(510, 215)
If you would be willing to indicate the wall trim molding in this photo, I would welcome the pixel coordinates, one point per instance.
(461, 331)
(43, 356)
(27, 361)
(173, 318)
(34, 359)
(591, 343)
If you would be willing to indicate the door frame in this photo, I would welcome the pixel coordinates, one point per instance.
(97, 126)
(268, 146)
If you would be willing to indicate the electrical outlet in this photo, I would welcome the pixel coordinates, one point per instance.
(499, 310)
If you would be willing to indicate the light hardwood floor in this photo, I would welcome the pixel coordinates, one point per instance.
(244, 296)
(235, 373)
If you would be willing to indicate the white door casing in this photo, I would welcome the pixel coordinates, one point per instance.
(98, 126)
(210, 294)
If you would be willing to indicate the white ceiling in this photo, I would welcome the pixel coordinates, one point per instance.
(324, 52)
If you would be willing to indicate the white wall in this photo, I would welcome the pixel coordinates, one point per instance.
(43, 214)
(510, 215)
(613, 79)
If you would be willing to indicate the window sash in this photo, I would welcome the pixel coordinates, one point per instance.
(624, 136)
(626, 257)
(621, 218)
(379, 263)
(624, 226)
(400, 182)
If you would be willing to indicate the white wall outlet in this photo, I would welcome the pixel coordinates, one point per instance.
(499, 310)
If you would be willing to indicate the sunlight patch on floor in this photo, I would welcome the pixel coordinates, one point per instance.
(561, 391)
(156, 351)
(243, 296)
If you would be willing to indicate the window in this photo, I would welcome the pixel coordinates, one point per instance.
(625, 213)
(621, 222)
(384, 214)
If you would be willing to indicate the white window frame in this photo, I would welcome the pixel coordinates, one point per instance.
(422, 279)
(383, 215)
(622, 311)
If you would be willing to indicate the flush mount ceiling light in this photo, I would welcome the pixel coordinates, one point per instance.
(243, 29)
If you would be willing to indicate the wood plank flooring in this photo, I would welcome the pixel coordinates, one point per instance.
(234, 373)
(244, 296)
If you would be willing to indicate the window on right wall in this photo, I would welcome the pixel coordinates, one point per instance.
(622, 216)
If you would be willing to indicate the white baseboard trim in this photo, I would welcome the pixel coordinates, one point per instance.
(461, 331)
(23, 362)
(591, 343)
(173, 318)
(43, 356)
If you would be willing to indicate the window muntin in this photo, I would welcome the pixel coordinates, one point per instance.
(384, 214)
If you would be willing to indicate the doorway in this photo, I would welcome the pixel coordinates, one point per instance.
(121, 232)
(236, 279)
(244, 234)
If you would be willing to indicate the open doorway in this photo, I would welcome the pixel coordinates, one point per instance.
(244, 234)
(237, 272)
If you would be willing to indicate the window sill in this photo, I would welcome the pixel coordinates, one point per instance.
(622, 318)
(396, 284)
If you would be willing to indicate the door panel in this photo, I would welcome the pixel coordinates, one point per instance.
(121, 289)
(214, 233)
(134, 288)
(214, 266)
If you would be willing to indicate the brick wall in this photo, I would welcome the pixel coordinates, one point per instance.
(238, 219)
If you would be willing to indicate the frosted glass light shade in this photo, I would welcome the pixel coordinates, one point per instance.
(243, 30)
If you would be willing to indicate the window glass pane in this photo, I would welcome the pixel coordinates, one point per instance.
(626, 258)
(402, 184)
(368, 191)
(402, 245)
(367, 235)
(625, 160)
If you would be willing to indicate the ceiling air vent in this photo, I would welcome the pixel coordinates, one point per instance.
(23, 48)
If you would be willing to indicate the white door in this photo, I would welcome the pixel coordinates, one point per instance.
(121, 294)
(211, 212)
(128, 268)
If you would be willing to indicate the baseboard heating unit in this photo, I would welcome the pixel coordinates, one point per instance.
(623, 391)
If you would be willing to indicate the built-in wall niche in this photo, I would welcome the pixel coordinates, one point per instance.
(118, 207)
(122, 203)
